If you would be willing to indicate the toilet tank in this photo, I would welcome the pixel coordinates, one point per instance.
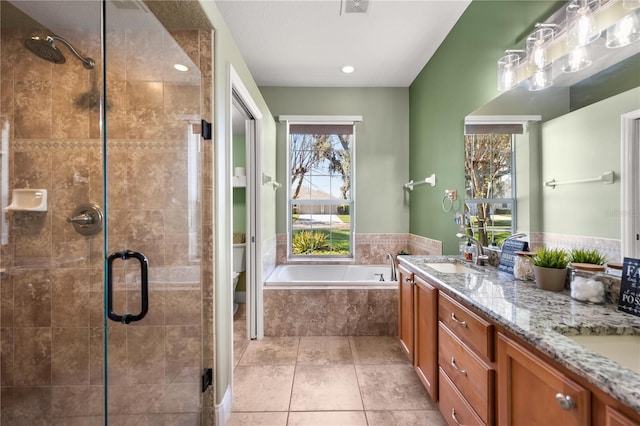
(239, 257)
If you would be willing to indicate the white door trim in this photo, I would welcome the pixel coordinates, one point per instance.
(630, 183)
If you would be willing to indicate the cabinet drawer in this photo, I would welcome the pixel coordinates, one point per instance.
(469, 327)
(454, 408)
(473, 378)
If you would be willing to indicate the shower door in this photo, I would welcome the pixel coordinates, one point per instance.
(102, 303)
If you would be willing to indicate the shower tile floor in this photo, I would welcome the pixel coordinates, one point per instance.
(328, 380)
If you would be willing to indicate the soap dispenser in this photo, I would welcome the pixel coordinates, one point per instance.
(468, 252)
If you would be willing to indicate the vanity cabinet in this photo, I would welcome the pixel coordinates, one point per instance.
(482, 374)
(532, 392)
(418, 327)
(465, 357)
(405, 310)
(425, 350)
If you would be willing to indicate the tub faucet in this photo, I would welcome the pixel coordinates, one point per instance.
(393, 267)
(480, 256)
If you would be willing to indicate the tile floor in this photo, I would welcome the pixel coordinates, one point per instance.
(321, 381)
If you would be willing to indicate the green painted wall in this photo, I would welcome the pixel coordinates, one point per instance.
(382, 148)
(226, 54)
(459, 78)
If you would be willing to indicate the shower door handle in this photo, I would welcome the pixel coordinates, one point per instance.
(144, 286)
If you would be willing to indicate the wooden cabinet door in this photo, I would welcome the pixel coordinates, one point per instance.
(405, 310)
(425, 357)
(532, 393)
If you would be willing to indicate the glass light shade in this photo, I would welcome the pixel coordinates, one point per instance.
(578, 59)
(541, 79)
(507, 66)
(581, 24)
(537, 45)
(624, 32)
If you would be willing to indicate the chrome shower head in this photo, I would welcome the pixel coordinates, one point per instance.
(45, 48)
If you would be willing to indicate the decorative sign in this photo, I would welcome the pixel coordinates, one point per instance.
(629, 300)
(508, 256)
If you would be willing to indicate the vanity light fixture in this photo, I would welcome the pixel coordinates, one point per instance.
(507, 67)
(537, 50)
(538, 45)
(625, 31)
(581, 24)
(577, 59)
(565, 41)
(348, 69)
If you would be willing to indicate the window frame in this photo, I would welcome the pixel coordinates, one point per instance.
(321, 120)
(494, 201)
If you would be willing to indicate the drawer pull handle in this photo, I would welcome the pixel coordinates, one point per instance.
(565, 402)
(453, 416)
(462, 323)
(458, 369)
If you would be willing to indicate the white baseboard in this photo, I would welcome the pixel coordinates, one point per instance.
(240, 297)
(223, 410)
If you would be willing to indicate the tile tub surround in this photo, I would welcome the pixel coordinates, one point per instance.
(537, 316)
(330, 312)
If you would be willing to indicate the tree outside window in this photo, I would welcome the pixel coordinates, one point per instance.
(320, 200)
(489, 204)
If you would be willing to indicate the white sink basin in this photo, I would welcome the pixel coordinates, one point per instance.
(625, 350)
(451, 268)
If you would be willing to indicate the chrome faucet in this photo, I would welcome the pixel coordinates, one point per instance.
(511, 237)
(480, 256)
(394, 276)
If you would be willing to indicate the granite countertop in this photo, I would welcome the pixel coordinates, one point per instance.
(543, 319)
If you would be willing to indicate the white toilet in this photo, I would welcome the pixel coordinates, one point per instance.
(239, 265)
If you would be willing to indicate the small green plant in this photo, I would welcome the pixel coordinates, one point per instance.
(551, 258)
(305, 242)
(587, 256)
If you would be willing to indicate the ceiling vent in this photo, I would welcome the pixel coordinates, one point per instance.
(355, 6)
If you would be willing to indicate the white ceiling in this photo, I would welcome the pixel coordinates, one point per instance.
(305, 43)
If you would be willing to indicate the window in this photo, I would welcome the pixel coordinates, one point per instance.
(489, 183)
(320, 198)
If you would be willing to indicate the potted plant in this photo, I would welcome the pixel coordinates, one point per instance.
(589, 260)
(550, 268)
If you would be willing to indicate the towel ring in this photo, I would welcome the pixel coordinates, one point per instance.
(444, 207)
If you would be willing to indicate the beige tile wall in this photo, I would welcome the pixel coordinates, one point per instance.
(51, 322)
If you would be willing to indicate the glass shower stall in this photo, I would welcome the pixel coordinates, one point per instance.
(106, 309)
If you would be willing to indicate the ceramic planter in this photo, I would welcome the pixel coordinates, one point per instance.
(551, 279)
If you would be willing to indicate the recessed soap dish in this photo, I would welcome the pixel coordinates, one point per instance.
(32, 200)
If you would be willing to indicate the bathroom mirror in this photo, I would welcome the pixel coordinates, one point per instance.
(577, 139)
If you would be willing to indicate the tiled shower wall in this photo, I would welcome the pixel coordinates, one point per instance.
(51, 286)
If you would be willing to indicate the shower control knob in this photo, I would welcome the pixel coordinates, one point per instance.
(81, 219)
(86, 219)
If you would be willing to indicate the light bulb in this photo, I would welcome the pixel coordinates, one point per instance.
(507, 66)
(578, 59)
(582, 25)
(624, 32)
(541, 79)
(539, 55)
(537, 44)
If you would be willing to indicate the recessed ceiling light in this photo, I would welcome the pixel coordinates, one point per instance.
(181, 67)
(348, 69)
